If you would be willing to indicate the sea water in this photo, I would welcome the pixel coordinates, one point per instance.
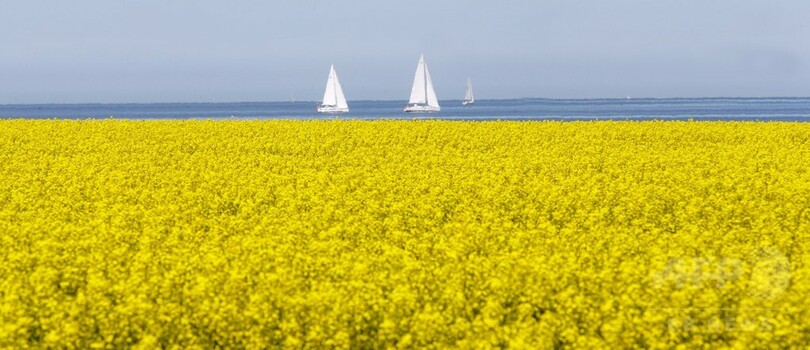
(791, 109)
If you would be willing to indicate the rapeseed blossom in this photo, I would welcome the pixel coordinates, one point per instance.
(403, 234)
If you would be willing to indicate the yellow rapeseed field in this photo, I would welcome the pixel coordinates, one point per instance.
(404, 234)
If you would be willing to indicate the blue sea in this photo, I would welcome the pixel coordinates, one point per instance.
(773, 109)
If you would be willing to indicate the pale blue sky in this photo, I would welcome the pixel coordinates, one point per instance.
(215, 51)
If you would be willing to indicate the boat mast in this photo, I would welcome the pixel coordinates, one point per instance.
(424, 74)
(334, 83)
(468, 93)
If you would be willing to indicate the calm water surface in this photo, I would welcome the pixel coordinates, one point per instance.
(794, 109)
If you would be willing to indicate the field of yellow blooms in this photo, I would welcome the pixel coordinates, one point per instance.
(404, 234)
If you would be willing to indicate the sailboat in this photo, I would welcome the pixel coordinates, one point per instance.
(423, 97)
(469, 98)
(333, 99)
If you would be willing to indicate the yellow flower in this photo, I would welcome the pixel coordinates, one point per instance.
(403, 234)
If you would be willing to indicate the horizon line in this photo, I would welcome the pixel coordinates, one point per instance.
(405, 100)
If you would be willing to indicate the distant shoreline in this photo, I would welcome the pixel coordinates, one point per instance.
(403, 101)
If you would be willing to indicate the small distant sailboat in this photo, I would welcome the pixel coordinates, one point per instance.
(469, 98)
(423, 97)
(333, 99)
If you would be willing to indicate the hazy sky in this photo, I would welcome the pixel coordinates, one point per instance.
(212, 51)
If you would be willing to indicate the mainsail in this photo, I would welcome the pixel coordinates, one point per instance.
(468, 96)
(333, 99)
(423, 96)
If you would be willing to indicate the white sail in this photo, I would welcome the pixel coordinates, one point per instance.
(423, 96)
(329, 96)
(333, 99)
(418, 91)
(469, 98)
(432, 100)
(341, 98)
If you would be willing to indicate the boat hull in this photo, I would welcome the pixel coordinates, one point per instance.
(421, 109)
(332, 109)
(466, 103)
